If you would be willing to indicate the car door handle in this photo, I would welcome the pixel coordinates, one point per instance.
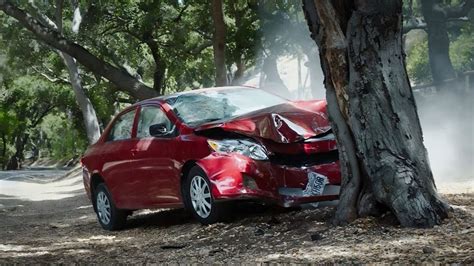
(134, 151)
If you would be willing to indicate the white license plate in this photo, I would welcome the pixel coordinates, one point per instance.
(316, 184)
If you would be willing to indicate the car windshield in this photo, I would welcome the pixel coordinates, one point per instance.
(206, 106)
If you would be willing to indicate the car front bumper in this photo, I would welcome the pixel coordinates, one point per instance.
(234, 176)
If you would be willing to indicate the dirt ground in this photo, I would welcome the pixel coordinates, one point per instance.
(65, 230)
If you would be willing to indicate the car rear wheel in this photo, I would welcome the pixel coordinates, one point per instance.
(198, 197)
(110, 218)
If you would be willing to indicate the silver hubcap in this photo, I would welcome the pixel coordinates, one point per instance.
(200, 196)
(103, 207)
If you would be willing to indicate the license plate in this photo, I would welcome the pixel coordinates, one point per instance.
(316, 184)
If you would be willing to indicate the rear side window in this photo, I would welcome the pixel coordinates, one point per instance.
(122, 128)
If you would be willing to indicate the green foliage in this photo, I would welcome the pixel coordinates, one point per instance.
(417, 63)
(461, 50)
(58, 136)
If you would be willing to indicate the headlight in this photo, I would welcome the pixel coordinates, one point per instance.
(241, 146)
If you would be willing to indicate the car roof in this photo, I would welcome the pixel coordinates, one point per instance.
(164, 98)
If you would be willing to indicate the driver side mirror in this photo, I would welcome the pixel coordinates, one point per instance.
(158, 130)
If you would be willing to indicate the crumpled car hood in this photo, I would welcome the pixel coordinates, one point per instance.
(285, 123)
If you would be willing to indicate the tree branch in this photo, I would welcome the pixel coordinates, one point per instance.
(57, 80)
(37, 119)
(41, 17)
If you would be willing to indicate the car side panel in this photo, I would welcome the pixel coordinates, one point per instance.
(154, 162)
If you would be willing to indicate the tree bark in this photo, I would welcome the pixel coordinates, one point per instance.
(118, 77)
(219, 42)
(373, 113)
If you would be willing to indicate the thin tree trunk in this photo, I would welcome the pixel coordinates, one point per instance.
(373, 113)
(89, 115)
(239, 44)
(219, 42)
(117, 76)
(160, 65)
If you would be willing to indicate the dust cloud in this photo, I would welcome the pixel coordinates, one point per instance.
(448, 129)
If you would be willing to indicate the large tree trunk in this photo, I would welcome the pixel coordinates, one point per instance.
(373, 112)
(219, 42)
(438, 41)
(117, 76)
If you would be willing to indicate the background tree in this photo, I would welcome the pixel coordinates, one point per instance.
(446, 23)
(219, 37)
(436, 15)
(29, 101)
(373, 112)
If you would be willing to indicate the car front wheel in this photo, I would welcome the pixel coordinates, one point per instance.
(110, 218)
(199, 199)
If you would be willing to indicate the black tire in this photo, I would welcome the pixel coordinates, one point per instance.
(117, 218)
(217, 210)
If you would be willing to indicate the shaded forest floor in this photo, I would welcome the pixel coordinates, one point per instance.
(65, 230)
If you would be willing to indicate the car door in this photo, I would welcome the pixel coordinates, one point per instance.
(154, 159)
(118, 157)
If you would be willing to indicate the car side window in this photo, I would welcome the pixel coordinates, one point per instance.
(122, 128)
(152, 115)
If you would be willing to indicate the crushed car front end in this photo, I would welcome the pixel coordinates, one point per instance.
(286, 154)
(308, 172)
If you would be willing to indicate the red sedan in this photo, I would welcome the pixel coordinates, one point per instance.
(200, 148)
